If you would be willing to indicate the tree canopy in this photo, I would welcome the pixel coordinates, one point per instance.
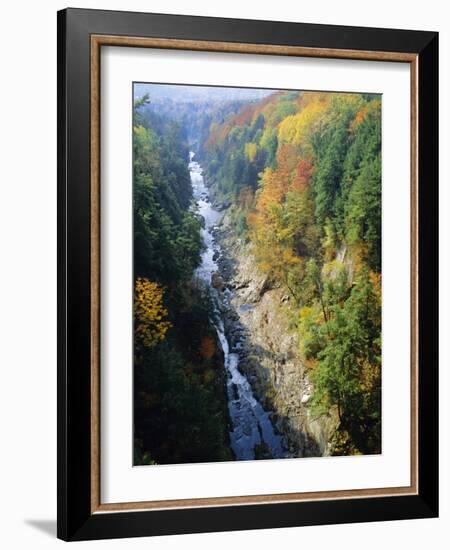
(303, 171)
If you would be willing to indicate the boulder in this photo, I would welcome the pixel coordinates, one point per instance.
(217, 281)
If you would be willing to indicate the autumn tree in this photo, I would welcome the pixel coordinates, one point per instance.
(149, 313)
(312, 161)
(207, 347)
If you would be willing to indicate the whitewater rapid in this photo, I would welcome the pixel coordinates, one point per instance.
(251, 425)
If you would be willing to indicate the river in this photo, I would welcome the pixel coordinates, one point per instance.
(251, 425)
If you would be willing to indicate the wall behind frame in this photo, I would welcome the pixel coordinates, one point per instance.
(28, 274)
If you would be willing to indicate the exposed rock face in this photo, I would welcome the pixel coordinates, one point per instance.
(258, 327)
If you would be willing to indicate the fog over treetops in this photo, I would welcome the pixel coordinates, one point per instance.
(180, 93)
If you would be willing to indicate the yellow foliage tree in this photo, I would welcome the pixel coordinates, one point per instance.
(296, 129)
(250, 151)
(149, 313)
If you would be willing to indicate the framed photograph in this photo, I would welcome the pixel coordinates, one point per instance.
(247, 274)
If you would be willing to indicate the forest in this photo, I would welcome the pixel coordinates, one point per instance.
(300, 173)
(179, 401)
(304, 173)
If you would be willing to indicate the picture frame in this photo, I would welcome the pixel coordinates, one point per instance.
(81, 36)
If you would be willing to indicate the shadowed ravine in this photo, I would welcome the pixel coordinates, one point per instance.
(250, 424)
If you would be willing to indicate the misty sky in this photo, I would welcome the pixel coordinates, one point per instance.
(181, 93)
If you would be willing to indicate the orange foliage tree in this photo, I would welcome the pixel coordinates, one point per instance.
(207, 347)
(303, 174)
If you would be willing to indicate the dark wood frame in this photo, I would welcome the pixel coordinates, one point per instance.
(81, 34)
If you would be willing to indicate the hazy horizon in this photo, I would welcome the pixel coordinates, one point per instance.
(185, 93)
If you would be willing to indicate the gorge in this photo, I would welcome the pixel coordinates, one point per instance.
(251, 426)
(258, 274)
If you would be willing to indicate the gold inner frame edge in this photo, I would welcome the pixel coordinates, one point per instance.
(97, 41)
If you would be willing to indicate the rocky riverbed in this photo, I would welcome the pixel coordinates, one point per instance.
(256, 319)
(252, 434)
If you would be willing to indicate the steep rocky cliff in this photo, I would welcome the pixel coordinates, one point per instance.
(259, 325)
